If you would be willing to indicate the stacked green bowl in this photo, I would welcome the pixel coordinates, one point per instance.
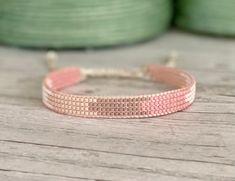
(81, 23)
(207, 16)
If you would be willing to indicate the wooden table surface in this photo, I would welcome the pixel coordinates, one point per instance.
(196, 144)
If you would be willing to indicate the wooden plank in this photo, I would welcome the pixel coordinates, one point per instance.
(196, 144)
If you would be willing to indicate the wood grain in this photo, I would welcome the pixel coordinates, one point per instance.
(196, 144)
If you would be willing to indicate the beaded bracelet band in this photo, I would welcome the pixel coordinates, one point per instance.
(140, 106)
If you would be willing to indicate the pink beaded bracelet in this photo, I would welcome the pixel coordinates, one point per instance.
(140, 106)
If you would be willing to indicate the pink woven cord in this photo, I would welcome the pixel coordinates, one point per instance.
(119, 106)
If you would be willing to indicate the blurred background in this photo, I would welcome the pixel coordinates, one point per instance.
(60, 24)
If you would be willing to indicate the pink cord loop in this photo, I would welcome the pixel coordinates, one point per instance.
(140, 106)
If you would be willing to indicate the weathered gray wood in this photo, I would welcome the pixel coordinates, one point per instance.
(196, 144)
